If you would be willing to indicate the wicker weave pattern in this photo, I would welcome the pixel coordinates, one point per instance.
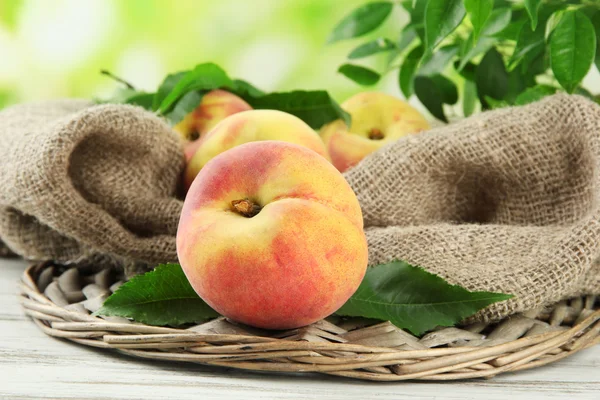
(60, 300)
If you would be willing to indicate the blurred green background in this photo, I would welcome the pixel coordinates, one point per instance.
(56, 48)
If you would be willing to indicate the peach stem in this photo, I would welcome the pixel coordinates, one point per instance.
(246, 207)
(375, 134)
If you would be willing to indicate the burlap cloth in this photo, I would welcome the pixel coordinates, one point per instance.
(92, 185)
(505, 201)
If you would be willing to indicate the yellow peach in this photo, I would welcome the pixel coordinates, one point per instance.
(377, 119)
(271, 235)
(252, 126)
(215, 106)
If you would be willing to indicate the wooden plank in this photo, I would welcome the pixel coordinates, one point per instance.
(34, 366)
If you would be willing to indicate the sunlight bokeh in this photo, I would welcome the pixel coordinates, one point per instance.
(56, 48)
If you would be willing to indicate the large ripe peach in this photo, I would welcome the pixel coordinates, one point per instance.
(215, 106)
(252, 126)
(377, 119)
(271, 236)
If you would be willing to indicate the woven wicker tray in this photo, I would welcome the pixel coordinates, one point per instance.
(59, 300)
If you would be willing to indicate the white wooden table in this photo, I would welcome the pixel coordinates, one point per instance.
(35, 366)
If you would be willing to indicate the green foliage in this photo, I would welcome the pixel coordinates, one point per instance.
(479, 12)
(441, 18)
(361, 21)
(491, 77)
(438, 61)
(315, 107)
(596, 23)
(572, 49)
(414, 299)
(184, 106)
(370, 48)
(408, 69)
(246, 90)
(508, 47)
(160, 297)
(409, 297)
(534, 94)
(469, 97)
(533, 6)
(358, 74)
(435, 91)
(142, 99)
(181, 92)
(203, 77)
(166, 87)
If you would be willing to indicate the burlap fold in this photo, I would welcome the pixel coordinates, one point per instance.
(85, 182)
(506, 201)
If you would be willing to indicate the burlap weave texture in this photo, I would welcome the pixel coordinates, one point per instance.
(504, 201)
(88, 182)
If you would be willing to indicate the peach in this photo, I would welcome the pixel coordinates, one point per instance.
(251, 126)
(377, 119)
(271, 235)
(215, 106)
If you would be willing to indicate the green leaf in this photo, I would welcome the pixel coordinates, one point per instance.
(469, 52)
(535, 67)
(533, 7)
(184, 106)
(362, 20)
(414, 299)
(441, 18)
(491, 76)
(572, 49)
(530, 44)
(492, 103)
(160, 297)
(596, 23)
(448, 91)
(534, 94)
(245, 89)
(479, 11)
(516, 85)
(316, 108)
(142, 99)
(511, 32)
(433, 92)
(408, 35)
(205, 76)
(469, 97)
(468, 72)
(361, 75)
(498, 20)
(503, 3)
(167, 85)
(416, 11)
(552, 22)
(408, 69)
(438, 61)
(376, 46)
